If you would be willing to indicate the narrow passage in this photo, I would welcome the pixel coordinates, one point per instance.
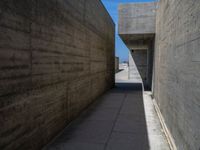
(119, 120)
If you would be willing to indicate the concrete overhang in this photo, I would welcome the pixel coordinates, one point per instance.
(137, 22)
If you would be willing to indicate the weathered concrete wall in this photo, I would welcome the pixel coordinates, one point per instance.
(177, 70)
(56, 57)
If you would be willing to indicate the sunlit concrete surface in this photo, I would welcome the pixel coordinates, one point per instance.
(119, 120)
(156, 137)
(128, 75)
(123, 74)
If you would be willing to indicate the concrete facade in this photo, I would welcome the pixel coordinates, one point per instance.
(123, 118)
(56, 57)
(176, 67)
(177, 70)
(137, 30)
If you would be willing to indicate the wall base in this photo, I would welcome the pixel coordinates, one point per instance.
(168, 135)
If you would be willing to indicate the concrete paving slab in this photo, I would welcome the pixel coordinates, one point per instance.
(101, 114)
(127, 141)
(76, 146)
(122, 119)
(127, 126)
(88, 131)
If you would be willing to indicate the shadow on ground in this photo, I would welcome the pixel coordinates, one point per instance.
(116, 121)
(119, 70)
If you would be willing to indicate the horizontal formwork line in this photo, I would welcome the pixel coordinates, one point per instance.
(14, 67)
(32, 89)
(8, 47)
(17, 77)
(59, 63)
(56, 52)
(15, 29)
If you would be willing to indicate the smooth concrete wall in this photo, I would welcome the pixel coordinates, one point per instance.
(177, 70)
(56, 57)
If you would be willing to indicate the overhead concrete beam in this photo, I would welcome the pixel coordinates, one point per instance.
(137, 23)
(137, 30)
(137, 18)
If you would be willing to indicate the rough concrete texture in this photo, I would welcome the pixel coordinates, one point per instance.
(177, 70)
(133, 72)
(56, 57)
(137, 18)
(122, 119)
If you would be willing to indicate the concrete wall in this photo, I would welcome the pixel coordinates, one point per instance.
(140, 58)
(133, 72)
(56, 57)
(137, 18)
(177, 70)
(137, 23)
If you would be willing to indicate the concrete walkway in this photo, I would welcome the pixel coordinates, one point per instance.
(120, 120)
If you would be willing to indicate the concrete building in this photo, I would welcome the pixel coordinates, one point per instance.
(164, 40)
(137, 30)
(56, 57)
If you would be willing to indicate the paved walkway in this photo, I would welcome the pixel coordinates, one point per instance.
(119, 120)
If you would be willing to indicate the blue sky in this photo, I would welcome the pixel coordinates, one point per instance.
(112, 7)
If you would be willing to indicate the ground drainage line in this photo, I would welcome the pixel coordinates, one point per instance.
(166, 131)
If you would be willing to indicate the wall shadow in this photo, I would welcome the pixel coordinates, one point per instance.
(117, 71)
(128, 87)
(132, 119)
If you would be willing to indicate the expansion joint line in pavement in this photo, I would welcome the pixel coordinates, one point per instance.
(121, 105)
